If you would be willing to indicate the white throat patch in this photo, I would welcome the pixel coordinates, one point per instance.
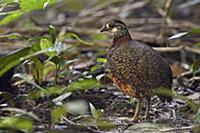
(114, 30)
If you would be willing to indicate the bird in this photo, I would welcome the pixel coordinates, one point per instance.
(136, 68)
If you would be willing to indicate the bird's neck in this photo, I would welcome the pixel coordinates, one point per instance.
(121, 36)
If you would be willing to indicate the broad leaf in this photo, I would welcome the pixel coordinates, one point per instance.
(11, 17)
(13, 59)
(17, 123)
(25, 7)
(45, 92)
(102, 60)
(37, 70)
(84, 84)
(53, 33)
(29, 5)
(75, 36)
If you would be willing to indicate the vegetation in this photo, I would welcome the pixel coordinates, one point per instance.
(52, 65)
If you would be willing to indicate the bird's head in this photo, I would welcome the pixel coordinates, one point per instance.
(116, 27)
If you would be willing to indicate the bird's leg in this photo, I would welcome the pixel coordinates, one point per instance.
(148, 106)
(137, 110)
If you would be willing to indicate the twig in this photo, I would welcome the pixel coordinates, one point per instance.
(168, 49)
(176, 23)
(129, 7)
(166, 19)
(179, 48)
(175, 129)
(188, 4)
(194, 50)
(91, 11)
(69, 121)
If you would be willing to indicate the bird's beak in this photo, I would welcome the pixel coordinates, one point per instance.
(104, 28)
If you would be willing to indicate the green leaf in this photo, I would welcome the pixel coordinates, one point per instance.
(162, 91)
(57, 113)
(53, 33)
(94, 68)
(132, 101)
(102, 60)
(197, 44)
(48, 68)
(9, 61)
(11, 17)
(46, 92)
(29, 5)
(37, 70)
(97, 37)
(195, 67)
(47, 44)
(73, 35)
(56, 59)
(96, 113)
(197, 117)
(25, 7)
(92, 109)
(54, 49)
(195, 31)
(17, 123)
(16, 36)
(106, 124)
(84, 84)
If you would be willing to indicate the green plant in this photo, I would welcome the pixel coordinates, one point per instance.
(18, 119)
(51, 46)
(25, 6)
(96, 113)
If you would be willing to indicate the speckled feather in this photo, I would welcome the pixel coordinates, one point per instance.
(137, 69)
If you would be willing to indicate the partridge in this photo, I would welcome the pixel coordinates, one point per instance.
(135, 68)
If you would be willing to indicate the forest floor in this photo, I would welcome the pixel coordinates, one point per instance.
(149, 24)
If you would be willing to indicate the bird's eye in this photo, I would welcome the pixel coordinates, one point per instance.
(112, 25)
(118, 27)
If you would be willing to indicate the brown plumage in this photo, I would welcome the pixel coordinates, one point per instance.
(135, 68)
